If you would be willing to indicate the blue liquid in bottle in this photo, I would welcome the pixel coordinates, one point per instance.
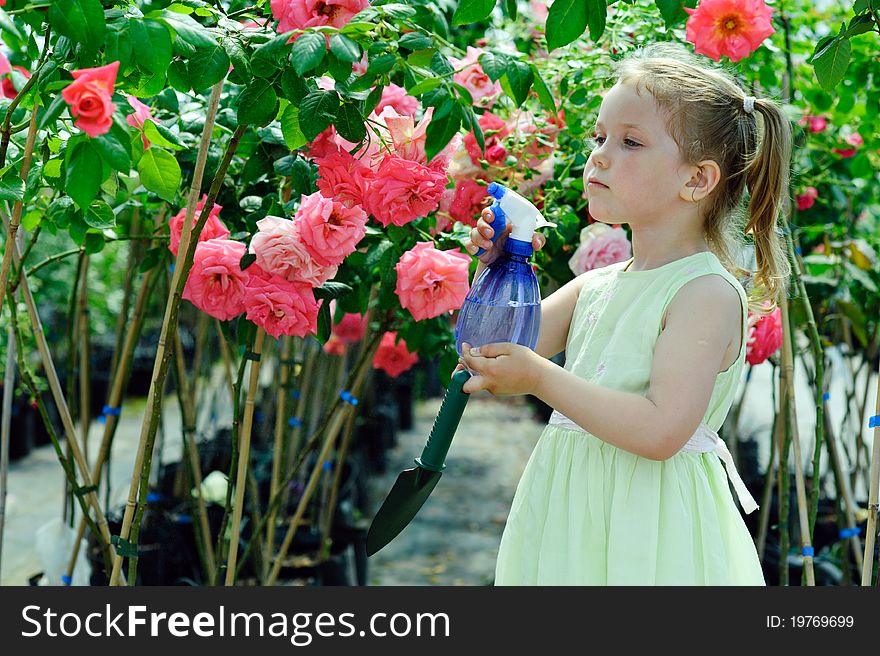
(504, 304)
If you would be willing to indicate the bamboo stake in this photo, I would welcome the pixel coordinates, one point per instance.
(201, 337)
(844, 491)
(189, 437)
(85, 418)
(134, 249)
(5, 427)
(244, 456)
(120, 379)
(285, 374)
(182, 266)
(339, 412)
(58, 395)
(803, 510)
(873, 501)
(227, 360)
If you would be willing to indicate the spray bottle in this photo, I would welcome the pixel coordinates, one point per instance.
(504, 304)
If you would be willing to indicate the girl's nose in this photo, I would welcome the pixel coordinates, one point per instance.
(598, 158)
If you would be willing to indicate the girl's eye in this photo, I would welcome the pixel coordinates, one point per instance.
(631, 144)
(597, 141)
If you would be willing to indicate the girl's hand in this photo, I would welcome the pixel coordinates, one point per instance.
(481, 237)
(502, 368)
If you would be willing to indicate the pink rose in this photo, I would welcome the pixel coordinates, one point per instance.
(807, 199)
(404, 191)
(482, 89)
(396, 97)
(8, 87)
(351, 328)
(330, 230)
(213, 228)
(468, 201)
(141, 114)
(343, 178)
(431, 282)
(393, 358)
(765, 336)
(280, 251)
(89, 98)
(816, 123)
(216, 284)
(733, 28)
(855, 140)
(494, 130)
(300, 14)
(279, 306)
(600, 246)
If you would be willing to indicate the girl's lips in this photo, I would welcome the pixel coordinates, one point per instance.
(595, 183)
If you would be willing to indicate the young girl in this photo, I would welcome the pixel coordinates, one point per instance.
(626, 484)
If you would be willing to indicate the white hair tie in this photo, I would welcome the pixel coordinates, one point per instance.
(749, 104)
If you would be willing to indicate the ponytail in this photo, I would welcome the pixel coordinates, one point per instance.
(767, 182)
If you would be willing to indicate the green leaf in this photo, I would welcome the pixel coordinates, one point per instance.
(293, 135)
(246, 260)
(861, 5)
(189, 29)
(494, 65)
(316, 111)
(473, 124)
(472, 11)
(324, 323)
(158, 134)
(151, 45)
(598, 11)
(443, 126)
(511, 7)
(117, 47)
(82, 21)
(94, 242)
(381, 64)
(238, 57)
(671, 10)
(860, 25)
(178, 76)
(425, 85)
(100, 215)
(11, 186)
(332, 290)
(207, 66)
(344, 48)
(350, 124)
(543, 91)
(518, 78)
(566, 21)
(160, 172)
(113, 152)
(831, 62)
(84, 174)
(415, 41)
(268, 57)
(339, 70)
(52, 168)
(308, 51)
(293, 86)
(258, 104)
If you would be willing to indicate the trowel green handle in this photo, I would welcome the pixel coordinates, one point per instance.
(433, 456)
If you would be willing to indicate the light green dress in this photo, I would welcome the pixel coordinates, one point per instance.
(588, 513)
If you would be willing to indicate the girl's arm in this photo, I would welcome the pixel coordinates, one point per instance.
(703, 320)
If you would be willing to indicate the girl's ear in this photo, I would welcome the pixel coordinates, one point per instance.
(705, 177)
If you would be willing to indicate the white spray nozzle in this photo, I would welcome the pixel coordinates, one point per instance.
(522, 215)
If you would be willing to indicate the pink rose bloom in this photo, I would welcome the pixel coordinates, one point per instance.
(396, 97)
(807, 199)
(323, 145)
(213, 228)
(300, 14)
(409, 138)
(734, 28)
(494, 130)
(335, 346)
(216, 284)
(330, 230)
(393, 358)
(431, 282)
(89, 98)
(343, 178)
(360, 67)
(8, 87)
(855, 140)
(281, 252)
(765, 336)
(404, 191)
(279, 306)
(539, 9)
(600, 246)
(482, 89)
(141, 114)
(468, 201)
(816, 123)
(351, 328)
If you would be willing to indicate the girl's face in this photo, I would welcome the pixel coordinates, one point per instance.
(635, 171)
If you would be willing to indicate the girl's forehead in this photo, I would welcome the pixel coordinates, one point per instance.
(623, 103)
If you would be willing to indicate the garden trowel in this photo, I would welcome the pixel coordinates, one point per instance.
(413, 486)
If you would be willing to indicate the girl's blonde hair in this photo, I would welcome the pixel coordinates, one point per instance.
(708, 120)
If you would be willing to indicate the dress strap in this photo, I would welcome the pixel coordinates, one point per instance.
(704, 440)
